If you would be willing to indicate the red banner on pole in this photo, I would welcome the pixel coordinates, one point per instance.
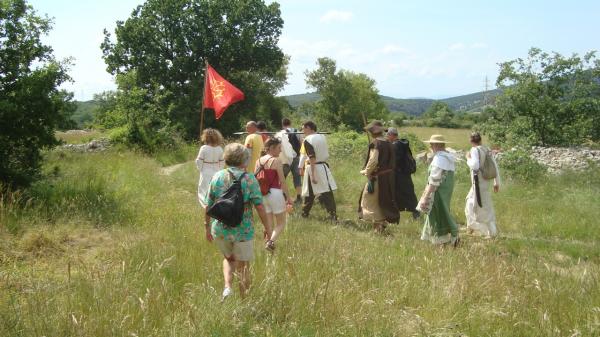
(218, 93)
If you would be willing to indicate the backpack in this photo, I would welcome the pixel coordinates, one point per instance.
(263, 182)
(229, 206)
(294, 141)
(287, 151)
(486, 164)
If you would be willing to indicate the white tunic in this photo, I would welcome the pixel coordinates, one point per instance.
(481, 219)
(209, 161)
(325, 181)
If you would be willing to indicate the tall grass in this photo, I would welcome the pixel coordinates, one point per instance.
(147, 270)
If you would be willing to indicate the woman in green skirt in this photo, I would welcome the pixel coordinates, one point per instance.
(439, 226)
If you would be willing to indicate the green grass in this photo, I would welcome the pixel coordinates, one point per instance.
(109, 246)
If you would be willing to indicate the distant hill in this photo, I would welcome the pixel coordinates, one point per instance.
(297, 100)
(470, 102)
(412, 106)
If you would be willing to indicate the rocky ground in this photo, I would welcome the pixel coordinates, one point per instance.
(93, 146)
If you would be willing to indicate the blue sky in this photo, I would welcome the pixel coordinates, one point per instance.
(411, 48)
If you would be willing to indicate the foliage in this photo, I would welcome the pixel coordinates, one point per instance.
(518, 164)
(441, 115)
(162, 48)
(548, 99)
(138, 123)
(84, 114)
(346, 97)
(399, 118)
(348, 143)
(31, 105)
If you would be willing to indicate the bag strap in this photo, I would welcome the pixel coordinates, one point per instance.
(233, 176)
(262, 168)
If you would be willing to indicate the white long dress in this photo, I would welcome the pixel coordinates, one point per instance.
(482, 220)
(209, 161)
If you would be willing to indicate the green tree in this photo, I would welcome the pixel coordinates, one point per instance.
(441, 115)
(345, 96)
(166, 44)
(547, 99)
(437, 109)
(31, 105)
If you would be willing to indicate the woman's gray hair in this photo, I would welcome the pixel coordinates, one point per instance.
(236, 155)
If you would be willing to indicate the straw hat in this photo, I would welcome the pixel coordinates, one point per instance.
(436, 139)
(375, 127)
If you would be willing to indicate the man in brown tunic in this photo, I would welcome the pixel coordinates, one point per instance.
(377, 202)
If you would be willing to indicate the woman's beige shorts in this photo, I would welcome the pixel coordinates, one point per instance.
(239, 250)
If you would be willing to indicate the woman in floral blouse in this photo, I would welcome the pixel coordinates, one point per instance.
(236, 243)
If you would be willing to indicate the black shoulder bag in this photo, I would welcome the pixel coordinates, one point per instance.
(229, 207)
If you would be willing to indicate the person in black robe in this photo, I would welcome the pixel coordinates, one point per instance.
(406, 199)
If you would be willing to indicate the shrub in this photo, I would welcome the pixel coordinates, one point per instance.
(518, 164)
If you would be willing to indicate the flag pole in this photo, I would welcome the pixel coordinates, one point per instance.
(203, 93)
(365, 121)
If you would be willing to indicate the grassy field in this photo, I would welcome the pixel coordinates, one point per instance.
(110, 245)
(458, 137)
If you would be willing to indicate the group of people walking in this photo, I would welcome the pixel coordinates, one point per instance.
(262, 164)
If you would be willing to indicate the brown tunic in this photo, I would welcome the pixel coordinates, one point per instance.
(384, 180)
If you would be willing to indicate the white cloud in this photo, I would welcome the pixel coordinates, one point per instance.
(478, 45)
(395, 49)
(336, 16)
(457, 46)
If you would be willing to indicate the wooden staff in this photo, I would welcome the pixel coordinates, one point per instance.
(203, 92)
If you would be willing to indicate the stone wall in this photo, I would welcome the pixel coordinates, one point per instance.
(557, 159)
(95, 145)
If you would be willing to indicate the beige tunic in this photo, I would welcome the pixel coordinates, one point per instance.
(371, 211)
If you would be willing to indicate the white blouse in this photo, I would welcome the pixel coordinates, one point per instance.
(210, 157)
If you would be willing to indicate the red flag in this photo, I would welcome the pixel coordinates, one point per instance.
(218, 93)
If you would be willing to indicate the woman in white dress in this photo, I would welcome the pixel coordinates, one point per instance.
(209, 161)
(481, 219)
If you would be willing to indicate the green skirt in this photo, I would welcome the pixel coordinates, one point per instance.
(439, 226)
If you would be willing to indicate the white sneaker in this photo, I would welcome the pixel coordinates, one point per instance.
(226, 293)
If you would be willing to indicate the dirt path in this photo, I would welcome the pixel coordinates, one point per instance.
(167, 171)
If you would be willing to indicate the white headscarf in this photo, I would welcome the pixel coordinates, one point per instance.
(444, 160)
